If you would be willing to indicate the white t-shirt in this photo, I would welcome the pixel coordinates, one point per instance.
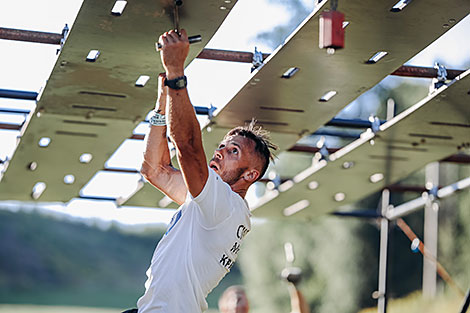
(197, 250)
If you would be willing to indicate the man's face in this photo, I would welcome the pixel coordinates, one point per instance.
(233, 157)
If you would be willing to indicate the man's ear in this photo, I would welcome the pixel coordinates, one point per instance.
(251, 175)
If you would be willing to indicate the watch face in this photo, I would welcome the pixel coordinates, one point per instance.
(177, 83)
(180, 83)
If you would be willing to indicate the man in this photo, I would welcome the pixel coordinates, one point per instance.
(204, 236)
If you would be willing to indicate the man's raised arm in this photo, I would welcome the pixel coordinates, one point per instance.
(181, 117)
(156, 167)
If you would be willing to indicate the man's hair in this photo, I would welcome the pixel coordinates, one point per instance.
(262, 140)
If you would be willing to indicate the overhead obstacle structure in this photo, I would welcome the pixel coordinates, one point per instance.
(93, 98)
(83, 98)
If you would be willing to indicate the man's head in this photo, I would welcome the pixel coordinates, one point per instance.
(234, 300)
(243, 155)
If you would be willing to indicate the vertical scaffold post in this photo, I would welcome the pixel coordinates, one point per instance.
(431, 210)
(384, 223)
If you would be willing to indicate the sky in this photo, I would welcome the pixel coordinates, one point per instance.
(27, 66)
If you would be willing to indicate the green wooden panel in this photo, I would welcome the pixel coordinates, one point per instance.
(293, 106)
(93, 106)
(71, 136)
(432, 129)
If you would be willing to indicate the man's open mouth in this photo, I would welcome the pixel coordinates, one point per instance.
(213, 166)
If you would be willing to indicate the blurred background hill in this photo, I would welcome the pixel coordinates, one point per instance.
(47, 261)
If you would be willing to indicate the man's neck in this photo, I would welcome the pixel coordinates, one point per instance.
(241, 190)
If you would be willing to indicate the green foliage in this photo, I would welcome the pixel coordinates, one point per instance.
(332, 257)
(454, 228)
(339, 257)
(415, 303)
(21, 308)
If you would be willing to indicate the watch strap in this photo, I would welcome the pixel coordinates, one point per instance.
(176, 83)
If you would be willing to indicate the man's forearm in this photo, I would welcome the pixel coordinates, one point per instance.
(156, 152)
(298, 303)
(183, 126)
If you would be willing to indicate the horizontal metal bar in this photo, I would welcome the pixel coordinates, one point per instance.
(304, 148)
(201, 110)
(137, 137)
(333, 133)
(5, 126)
(413, 205)
(18, 94)
(457, 158)
(30, 36)
(424, 72)
(120, 170)
(228, 55)
(406, 188)
(14, 111)
(98, 198)
(31, 95)
(447, 191)
(361, 214)
(350, 123)
(210, 54)
(247, 57)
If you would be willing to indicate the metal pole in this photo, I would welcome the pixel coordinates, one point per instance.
(228, 55)
(247, 57)
(413, 205)
(30, 36)
(424, 251)
(384, 223)
(431, 209)
(458, 158)
(350, 123)
(466, 302)
(423, 72)
(210, 54)
(18, 94)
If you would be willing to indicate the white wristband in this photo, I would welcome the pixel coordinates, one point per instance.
(157, 119)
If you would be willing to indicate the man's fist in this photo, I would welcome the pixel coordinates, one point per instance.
(173, 52)
(292, 274)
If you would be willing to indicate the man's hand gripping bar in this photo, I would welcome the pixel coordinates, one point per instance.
(176, 21)
(191, 39)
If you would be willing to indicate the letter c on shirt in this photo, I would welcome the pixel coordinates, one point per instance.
(241, 231)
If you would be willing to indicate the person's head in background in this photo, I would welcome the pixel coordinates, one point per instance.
(234, 300)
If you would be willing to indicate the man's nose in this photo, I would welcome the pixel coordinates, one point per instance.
(218, 154)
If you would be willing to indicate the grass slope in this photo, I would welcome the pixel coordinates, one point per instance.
(44, 261)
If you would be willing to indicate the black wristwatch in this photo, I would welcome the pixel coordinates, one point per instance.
(177, 83)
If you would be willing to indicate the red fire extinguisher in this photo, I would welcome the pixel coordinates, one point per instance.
(331, 28)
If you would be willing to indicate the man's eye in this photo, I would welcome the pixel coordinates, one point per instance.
(235, 150)
(221, 146)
